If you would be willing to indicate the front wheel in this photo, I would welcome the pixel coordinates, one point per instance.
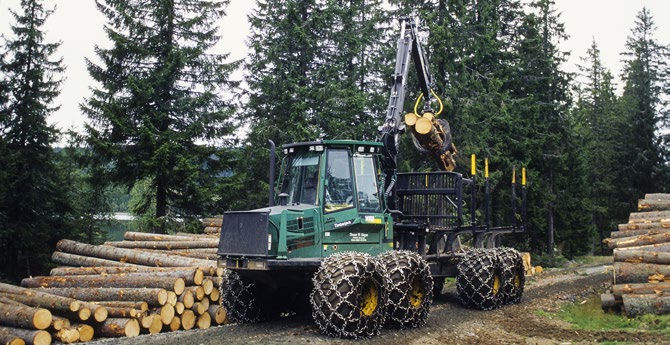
(349, 295)
(411, 292)
(240, 299)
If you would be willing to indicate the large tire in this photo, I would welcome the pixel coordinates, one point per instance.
(349, 295)
(479, 280)
(411, 290)
(513, 275)
(239, 298)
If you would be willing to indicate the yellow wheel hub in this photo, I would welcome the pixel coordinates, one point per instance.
(416, 295)
(496, 284)
(517, 281)
(369, 298)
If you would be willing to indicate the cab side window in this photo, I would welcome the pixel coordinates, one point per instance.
(339, 183)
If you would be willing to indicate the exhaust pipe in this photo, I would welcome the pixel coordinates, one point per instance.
(271, 197)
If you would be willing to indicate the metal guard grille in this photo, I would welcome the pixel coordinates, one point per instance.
(432, 198)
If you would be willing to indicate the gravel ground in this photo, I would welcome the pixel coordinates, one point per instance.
(448, 323)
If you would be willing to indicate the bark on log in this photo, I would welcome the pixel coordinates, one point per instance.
(67, 335)
(130, 255)
(659, 225)
(7, 338)
(626, 273)
(653, 205)
(218, 314)
(81, 260)
(138, 305)
(660, 247)
(657, 196)
(27, 336)
(118, 281)
(191, 276)
(118, 327)
(213, 221)
(36, 297)
(640, 289)
(104, 270)
(123, 312)
(642, 256)
(188, 319)
(145, 236)
(205, 236)
(636, 305)
(634, 233)
(154, 297)
(24, 317)
(646, 217)
(193, 255)
(638, 241)
(212, 230)
(164, 245)
(608, 301)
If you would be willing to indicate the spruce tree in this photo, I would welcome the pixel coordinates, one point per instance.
(158, 108)
(644, 74)
(33, 205)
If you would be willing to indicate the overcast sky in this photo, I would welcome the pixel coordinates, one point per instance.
(78, 25)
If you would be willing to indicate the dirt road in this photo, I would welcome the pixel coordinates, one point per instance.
(448, 323)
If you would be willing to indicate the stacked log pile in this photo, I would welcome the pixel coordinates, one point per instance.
(641, 283)
(146, 283)
(212, 226)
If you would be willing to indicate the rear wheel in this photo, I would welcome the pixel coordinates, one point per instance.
(349, 295)
(513, 275)
(479, 280)
(411, 291)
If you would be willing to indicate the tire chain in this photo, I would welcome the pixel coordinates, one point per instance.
(335, 297)
(238, 298)
(403, 267)
(512, 267)
(475, 279)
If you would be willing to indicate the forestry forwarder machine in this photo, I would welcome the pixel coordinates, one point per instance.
(368, 245)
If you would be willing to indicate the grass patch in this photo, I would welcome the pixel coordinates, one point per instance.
(589, 315)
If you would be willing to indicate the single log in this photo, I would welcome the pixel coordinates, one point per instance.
(172, 298)
(638, 240)
(218, 314)
(640, 289)
(663, 224)
(213, 221)
(190, 254)
(173, 325)
(164, 245)
(167, 313)
(215, 296)
(653, 205)
(212, 230)
(98, 312)
(67, 335)
(118, 281)
(105, 270)
(210, 236)
(646, 217)
(191, 276)
(637, 305)
(123, 312)
(198, 292)
(130, 255)
(7, 338)
(153, 296)
(201, 307)
(642, 256)
(187, 299)
(204, 321)
(609, 301)
(145, 236)
(27, 336)
(660, 247)
(24, 317)
(657, 196)
(188, 319)
(634, 233)
(208, 286)
(59, 322)
(179, 308)
(118, 327)
(86, 332)
(81, 260)
(138, 305)
(152, 323)
(39, 298)
(627, 273)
